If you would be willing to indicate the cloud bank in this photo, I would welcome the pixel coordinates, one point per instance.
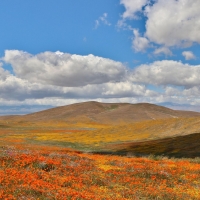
(62, 75)
(56, 78)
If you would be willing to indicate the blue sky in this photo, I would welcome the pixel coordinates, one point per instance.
(60, 52)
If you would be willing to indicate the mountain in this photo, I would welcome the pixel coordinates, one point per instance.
(105, 113)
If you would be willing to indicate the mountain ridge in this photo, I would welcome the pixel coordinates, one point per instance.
(93, 111)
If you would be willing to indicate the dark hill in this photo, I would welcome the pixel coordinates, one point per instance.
(187, 146)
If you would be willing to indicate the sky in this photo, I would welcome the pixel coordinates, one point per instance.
(55, 53)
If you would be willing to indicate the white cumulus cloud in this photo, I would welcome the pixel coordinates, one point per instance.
(3, 73)
(132, 7)
(173, 23)
(163, 50)
(168, 23)
(188, 55)
(167, 72)
(63, 69)
(139, 43)
(65, 76)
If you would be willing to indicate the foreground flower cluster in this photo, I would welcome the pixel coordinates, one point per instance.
(36, 172)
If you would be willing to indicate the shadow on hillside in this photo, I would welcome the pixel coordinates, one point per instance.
(187, 146)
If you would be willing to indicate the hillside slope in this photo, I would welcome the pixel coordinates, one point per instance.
(180, 146)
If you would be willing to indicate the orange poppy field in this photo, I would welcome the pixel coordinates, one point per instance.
(35, 167)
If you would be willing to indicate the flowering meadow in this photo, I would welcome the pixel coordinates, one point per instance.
(36, 164)
(42, 172)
